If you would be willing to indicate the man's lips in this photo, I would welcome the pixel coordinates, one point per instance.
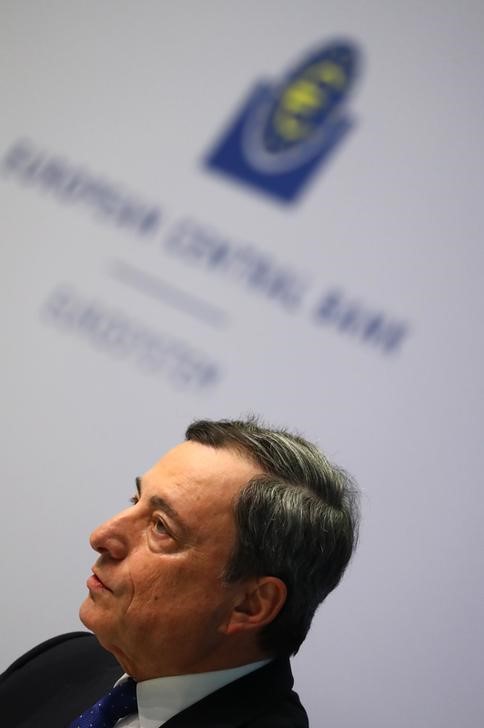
(94, 583)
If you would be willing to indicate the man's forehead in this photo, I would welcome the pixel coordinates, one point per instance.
(191, 464)
(196, 486)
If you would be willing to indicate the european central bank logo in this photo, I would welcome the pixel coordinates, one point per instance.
(286, 130)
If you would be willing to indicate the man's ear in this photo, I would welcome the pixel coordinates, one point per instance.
(259, 603)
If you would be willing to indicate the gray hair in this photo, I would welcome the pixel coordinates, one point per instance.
(298, 521)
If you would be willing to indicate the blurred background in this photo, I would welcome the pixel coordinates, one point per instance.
(210, 209)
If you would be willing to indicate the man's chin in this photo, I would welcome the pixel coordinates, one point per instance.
(88, 613)
(98, 619)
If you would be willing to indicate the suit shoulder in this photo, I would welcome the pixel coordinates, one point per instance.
(62, 674)
(45, 647)
(285, 714)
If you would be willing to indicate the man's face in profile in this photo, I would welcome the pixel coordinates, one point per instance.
(157, 599)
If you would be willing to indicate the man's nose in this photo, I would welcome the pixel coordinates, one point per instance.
(113, 536)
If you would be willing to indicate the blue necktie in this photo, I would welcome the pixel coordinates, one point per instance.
(120, 701)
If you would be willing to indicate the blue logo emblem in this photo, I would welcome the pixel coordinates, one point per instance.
(285, 131)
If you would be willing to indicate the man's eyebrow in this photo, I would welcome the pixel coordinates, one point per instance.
(138, 484)
(157, 501)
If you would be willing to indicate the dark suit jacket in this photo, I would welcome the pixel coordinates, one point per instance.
(53, 683)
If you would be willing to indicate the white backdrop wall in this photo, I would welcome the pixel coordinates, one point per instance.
(120, 324)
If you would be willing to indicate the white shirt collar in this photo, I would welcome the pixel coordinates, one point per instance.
(163, 697)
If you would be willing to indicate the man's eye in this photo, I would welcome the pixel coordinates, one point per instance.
(160, 527)
(134, 499)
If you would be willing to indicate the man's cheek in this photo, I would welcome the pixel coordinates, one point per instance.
(145, 596)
